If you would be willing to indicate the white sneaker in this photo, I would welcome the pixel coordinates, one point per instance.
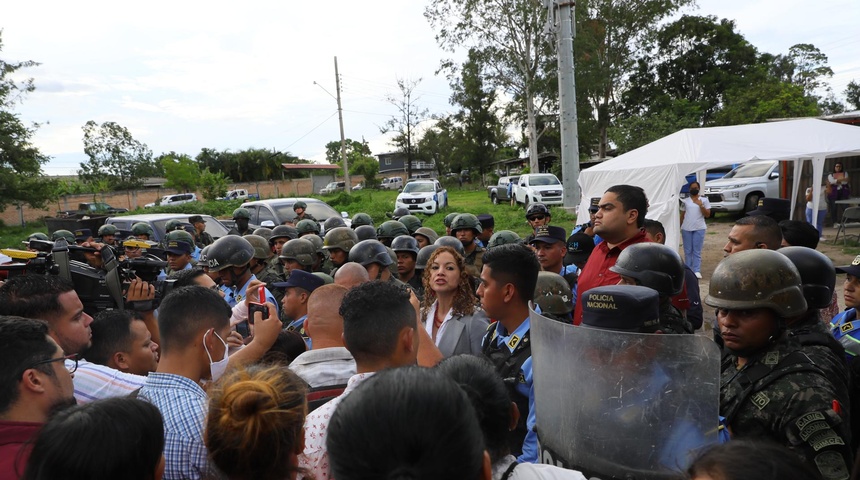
(698, 275)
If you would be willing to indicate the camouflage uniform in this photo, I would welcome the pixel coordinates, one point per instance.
(203, 239)
(780, 395)
(475, 261)
(671, 319)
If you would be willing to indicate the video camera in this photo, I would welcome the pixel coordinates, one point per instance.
(98, 288)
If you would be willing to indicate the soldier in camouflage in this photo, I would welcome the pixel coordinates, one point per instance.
(466, 228)
(260, 266)
(770, 389)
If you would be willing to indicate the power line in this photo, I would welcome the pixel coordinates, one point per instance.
(311, 130)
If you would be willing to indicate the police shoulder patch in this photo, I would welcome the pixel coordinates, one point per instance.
(772, 358)
(831, 465)
(847, 327)
(512, 343)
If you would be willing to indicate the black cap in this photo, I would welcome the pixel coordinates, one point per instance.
(853, 269)
(579, 248)
(487, 221)
(178, 247)
(627, 308)
(594, 206)
(301, 279)
(549, 234)
(195, 219)
(83, 234)
(777, 208)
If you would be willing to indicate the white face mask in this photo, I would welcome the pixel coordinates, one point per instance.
(218, 368)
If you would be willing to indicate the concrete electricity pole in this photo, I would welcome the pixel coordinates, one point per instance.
(347, 183)
(565, 31)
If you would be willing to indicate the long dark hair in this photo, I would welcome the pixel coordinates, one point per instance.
(464, 297)
(103, 440)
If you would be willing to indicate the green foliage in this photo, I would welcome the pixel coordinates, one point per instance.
(218, 208)
(251, 165)
(21, 178)
(367, 167)
(759, 101)
(182, 171)
(637, 130)
(852, 94)
(809, 67)
(355, 150)
(409, 115)
(71, 186)
(213, 185)
(115, 156)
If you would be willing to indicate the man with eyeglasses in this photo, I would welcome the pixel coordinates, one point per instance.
(36, 382)
(54, 300)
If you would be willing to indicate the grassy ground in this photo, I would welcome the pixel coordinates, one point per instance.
(375, 203)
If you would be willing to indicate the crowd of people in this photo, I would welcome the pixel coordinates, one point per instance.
(395, 351)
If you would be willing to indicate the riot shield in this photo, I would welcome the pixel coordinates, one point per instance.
(623, 405)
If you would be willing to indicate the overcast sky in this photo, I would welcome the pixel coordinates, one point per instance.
(185, 75)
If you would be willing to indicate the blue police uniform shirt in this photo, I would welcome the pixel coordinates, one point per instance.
(581, 228)
(196, 253)
(527, 389)
(236, 296)
(846, 329)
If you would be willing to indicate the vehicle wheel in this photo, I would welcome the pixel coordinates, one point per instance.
(495, 199)
(751, 202)
(526, 203)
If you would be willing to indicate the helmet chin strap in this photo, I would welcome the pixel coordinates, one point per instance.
(234, 279)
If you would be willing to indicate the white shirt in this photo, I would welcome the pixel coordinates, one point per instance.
(96, 382)
(693, 218)
(533, 471)
(431, 317)
(822, 199)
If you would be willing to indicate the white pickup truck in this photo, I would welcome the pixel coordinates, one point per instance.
(538, 187)
(240, 194)
(741, 189)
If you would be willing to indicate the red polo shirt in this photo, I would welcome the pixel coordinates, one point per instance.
(596, 271)
(14, 438)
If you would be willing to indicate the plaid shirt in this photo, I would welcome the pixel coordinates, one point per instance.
(183, 406)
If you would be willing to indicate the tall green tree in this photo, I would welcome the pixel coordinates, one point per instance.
(115, 156)
(354, 151)
(852, 94)
(409, 115)
(21, 177)
(367, 167)
(182, 171)
(441, 144)
(482, 131)
(610, 36)
(509, 37)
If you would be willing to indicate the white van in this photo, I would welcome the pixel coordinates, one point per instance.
(391, 183)
(177, 199)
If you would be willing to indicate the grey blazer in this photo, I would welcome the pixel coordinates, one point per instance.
(463, 334)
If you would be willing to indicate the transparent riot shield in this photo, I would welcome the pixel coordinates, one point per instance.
(623, 405)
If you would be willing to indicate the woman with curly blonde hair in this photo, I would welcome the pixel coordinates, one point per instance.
(255, 426)
(450, 312)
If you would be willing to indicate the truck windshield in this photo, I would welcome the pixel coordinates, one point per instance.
(749, 170)
(539, 180)
(418, 187)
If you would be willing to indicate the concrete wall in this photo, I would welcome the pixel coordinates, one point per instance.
(138, 198)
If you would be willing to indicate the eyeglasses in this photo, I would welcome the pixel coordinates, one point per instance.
(71, 367)
(535, 217)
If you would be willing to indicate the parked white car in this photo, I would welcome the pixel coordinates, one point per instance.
(177, 199)
(391, 183)
(424, 196)
(741, 189)
(332, 187)
(538, 187)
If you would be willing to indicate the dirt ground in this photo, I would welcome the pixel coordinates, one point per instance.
(712, 254)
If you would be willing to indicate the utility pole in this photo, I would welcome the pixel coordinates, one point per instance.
(347, 182)
(566, 31)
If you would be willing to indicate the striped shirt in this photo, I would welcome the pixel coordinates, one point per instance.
(95, 382)
(183, 407)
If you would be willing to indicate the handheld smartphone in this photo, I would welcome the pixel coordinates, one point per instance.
(259, 306)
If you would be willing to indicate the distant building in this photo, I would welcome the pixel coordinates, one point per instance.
(395, 162)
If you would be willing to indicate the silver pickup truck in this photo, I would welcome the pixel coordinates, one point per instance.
(741, 189)
(499, 193)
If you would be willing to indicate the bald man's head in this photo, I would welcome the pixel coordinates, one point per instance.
(324, 324)
(351, 274)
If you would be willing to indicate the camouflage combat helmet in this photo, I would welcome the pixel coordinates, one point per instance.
(552, 294)
(36, 236)
(466, 221)
(654, 266)
(300, 250)
(366, 252)
(449, 218)
(449, 241)
(504, 237)
(405, 243)
(264, 232)
(65, 234)
(326, 278)
(307, 226)
(817, 276)
(300, 204)
(241, 213)
(172, 224)
(428, 232)
(399, 212)
(424, 256)
(229, 251)
(757, 278)
(333, 222)
(411, 222)
(365, 232)
(142, 228)
(106, 229)
(360, 219)
(262, 250)
(340, 238)
(317, 241)
(179, 236)
(391, 229)
(283, 231)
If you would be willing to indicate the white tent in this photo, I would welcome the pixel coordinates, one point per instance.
(661, 166)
